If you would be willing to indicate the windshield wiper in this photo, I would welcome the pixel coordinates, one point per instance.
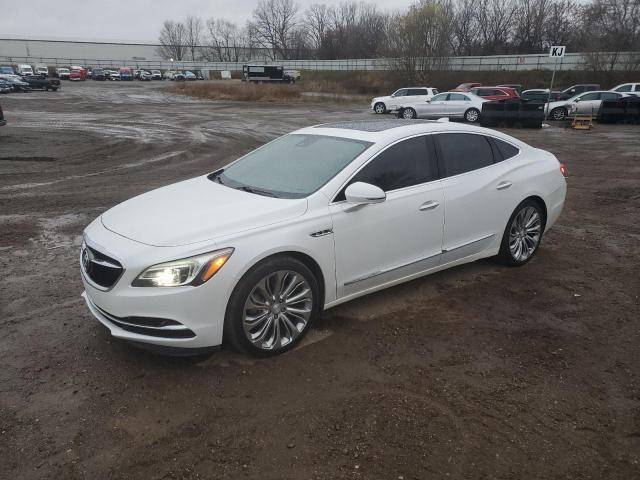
(257, 191)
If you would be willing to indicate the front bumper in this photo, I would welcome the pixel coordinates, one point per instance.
(194, 315)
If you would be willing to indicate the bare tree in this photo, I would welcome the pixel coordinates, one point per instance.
(172, 40)
(464, 40)
(225, 41)
(419, 39)
(611, 26)
(273, 24)
(316, 22)
(193, 28)
(495, 25)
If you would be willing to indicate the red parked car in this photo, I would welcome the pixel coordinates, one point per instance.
(496, 93)
(77, 73)
(466, 87)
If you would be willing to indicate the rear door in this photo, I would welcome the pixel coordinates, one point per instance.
(457, 104)
(480, 189)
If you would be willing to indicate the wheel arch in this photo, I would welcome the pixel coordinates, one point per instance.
(541, 203)
(303, 257)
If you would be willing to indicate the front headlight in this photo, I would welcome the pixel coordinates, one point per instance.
(188, 271)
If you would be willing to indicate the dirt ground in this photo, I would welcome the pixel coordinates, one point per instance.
(479, 372)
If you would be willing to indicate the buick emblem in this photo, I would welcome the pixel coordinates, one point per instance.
(87, 258)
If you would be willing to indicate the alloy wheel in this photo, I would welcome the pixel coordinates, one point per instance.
(558, 114)
(524, 234)
(277, 310)
(408, 113)
(472, 115)
(379, 108)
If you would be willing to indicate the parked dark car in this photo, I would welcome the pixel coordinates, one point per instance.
(42, 83)
(263, 73)
(581, 88)
(3, 122)
(5, 87)
(98, 74)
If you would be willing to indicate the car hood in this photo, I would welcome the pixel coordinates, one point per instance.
(560, 103)
(194, 211)
(381, 99)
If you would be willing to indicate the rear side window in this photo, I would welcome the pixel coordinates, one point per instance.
(417, 91)
(457, 96)
(590, 96)
(407, 163)
(609, 96)
(463, 152)
(506, 149)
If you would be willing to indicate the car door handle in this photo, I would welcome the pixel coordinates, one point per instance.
(504, 185)
(430, 205)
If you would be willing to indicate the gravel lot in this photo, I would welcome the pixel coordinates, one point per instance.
(481, 371)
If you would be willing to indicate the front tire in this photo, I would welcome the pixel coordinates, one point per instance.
(380, 108)
(272, 307)
(559, 113)
(522, 234)
(472, 115)
(409, 113)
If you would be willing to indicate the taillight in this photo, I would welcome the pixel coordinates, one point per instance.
(563, 169)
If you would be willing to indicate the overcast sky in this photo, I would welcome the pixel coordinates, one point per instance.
(138, 20)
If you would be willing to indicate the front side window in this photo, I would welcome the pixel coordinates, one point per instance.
(463, 152)
(293, 166)
(405, 164)
(624, 88)
(440, 97)
(400, 93)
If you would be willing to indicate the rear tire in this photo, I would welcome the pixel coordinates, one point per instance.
(472, 115)
(523, 234)
(264, 316)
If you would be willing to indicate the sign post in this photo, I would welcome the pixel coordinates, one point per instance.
(555, 52)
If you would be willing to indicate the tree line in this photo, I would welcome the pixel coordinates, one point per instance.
(427, 31)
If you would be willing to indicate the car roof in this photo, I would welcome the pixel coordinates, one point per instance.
(390, 130)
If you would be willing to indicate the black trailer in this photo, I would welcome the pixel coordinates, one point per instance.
(263, 73)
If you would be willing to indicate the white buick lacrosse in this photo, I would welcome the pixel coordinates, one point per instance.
(250, 254)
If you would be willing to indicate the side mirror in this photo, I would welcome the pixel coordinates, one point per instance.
(362, 193)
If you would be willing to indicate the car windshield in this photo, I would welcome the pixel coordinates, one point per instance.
(293, 166)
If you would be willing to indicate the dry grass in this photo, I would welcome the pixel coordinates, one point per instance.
(308, 91)
(237, 90)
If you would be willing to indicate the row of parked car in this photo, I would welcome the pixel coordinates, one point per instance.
(25, 80)
(465, 101)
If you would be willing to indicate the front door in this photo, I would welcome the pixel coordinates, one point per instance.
(379, 243)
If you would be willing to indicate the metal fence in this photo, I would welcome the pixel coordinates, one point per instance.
(571, 61)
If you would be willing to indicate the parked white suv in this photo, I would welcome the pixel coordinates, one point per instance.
(410, 94)
(627, 88)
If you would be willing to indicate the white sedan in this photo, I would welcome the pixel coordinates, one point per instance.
(465, 105)
(253, 252)
(583, 103)
(391, 102)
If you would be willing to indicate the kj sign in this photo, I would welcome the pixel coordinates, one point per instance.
(557, 51)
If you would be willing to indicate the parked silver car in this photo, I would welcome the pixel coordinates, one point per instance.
(584, 103)
(464, 105)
